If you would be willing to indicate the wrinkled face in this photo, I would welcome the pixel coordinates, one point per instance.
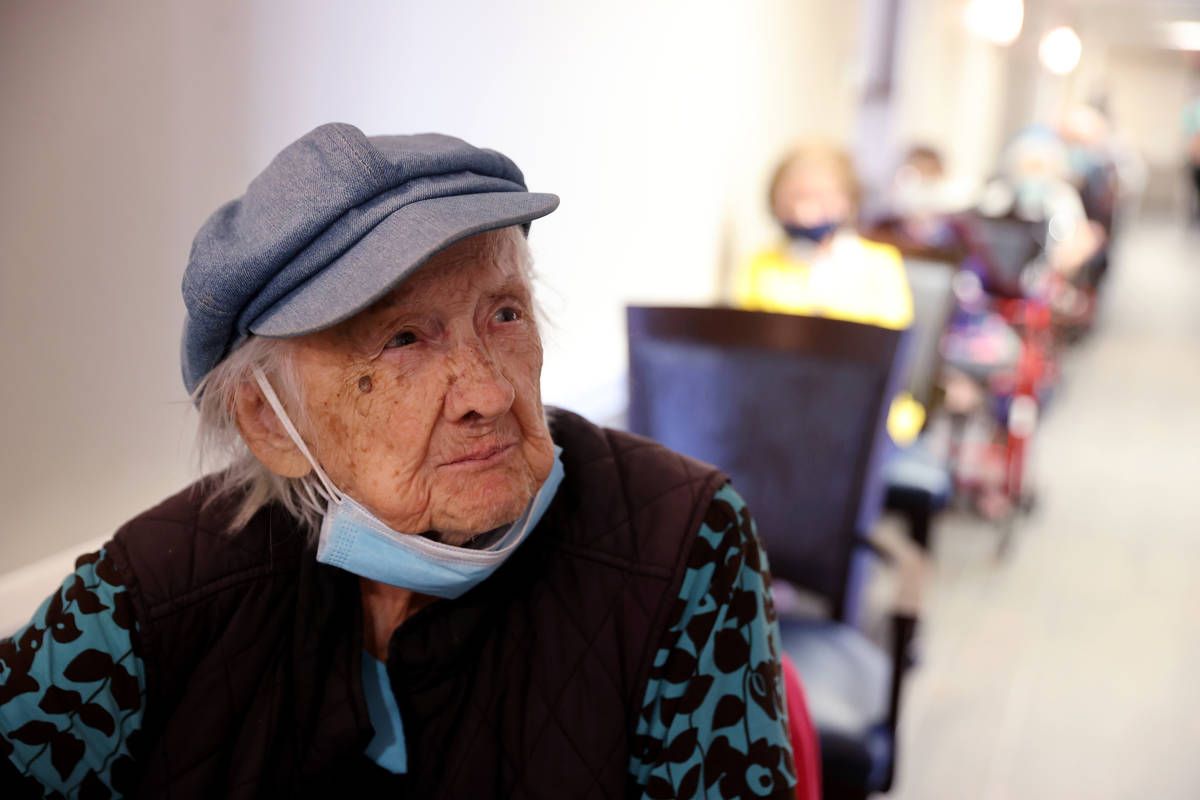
(426, 408)
(811, 193)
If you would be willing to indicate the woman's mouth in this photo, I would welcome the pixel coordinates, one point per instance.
(482, 456)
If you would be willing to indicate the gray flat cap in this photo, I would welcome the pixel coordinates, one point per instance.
(331, 225)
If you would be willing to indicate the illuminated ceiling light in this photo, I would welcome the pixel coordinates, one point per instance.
(1181, 35)
(998, 21)
(1060, 50)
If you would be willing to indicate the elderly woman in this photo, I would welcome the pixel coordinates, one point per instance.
(824, 268)
(411, 577)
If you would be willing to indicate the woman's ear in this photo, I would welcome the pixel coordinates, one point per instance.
(265, 435)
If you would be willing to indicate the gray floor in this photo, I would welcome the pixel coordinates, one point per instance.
(1072, 668)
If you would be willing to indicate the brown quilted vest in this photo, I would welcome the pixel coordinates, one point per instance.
(527, 686)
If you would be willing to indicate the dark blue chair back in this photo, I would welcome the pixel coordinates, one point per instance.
(791, 407)
(1007, 247)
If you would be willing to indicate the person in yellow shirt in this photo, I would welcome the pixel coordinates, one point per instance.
(824, 268)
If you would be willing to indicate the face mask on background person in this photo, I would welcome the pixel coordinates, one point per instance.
(810, 233)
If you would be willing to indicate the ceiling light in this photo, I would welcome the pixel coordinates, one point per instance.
(998, 21)
(1060, 50)
(1181, 35)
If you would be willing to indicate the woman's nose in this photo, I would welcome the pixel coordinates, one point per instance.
(478, 388)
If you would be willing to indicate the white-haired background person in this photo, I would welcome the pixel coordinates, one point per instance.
(1034, 186)
(411, 577)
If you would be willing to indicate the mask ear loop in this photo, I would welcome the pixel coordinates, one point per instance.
(330, 491)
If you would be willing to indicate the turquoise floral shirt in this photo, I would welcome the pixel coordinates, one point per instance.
(72, 690)
(713, 720)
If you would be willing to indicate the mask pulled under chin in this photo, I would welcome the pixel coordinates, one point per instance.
(354, 539)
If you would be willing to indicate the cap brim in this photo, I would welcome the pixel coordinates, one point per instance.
(393, 249)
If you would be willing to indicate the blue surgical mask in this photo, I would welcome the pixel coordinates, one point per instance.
(354, 539)
(810, 233)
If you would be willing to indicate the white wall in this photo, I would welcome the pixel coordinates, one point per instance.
(1150, 89)
(128, 121)
(94, 204)
(951, 88)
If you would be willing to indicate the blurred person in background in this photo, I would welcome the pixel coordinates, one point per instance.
(1091, 166)
(1191, 132)
(1093, 162)
(1095, 128)
(1034, 185)
(920, 205)
(823, 267)
(411, 579)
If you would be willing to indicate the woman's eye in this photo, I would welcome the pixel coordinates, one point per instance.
(507, 314)
(402, 339)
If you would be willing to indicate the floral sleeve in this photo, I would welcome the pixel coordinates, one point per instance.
(714, 720)
(72, 690)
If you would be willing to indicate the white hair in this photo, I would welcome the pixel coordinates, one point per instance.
(220, 442)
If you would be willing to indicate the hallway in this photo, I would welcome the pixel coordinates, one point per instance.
(1070, 670)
